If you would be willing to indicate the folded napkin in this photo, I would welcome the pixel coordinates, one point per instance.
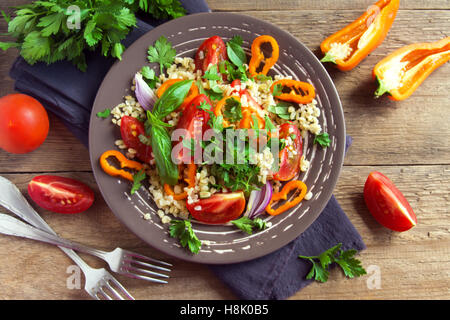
(69, 94)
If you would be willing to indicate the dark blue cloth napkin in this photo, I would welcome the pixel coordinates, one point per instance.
(69, 94)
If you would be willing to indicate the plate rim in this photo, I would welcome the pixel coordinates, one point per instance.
(334, 175)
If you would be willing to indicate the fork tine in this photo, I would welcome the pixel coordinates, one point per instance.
(113, 291)
(144, 264)
(126, 272)
(120, 287)
(104, 294)
(145, 271)
(139, 256)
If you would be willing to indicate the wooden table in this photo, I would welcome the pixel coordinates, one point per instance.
(408, 141)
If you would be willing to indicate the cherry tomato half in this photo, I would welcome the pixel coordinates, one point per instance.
(211, 51)
(130, 130)
(387, 204)
(60, 194)
(23, 123)
(194, 121)
(291, 154)
(219, 208)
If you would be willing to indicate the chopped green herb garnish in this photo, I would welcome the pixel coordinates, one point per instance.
(104, 114)
(247, 225)
(277, 90)
(232, 110)
(149, 76)
(137, 179)
(323, 139)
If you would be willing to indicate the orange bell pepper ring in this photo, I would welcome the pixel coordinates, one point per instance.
(300, 92)
(349, 46)
(190, 180)
(123, 162)
(401, 73)
(282, 195)
(193, 92)
(258, 57)
(218, 109)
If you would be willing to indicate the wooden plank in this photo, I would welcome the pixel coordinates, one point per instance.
(61, 151)
(268, 5)
(420, 131)
(414, 264)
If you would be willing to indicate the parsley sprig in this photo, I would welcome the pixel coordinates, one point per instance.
(351, 266)
(248, 225)
(182, 229)
(162, 52)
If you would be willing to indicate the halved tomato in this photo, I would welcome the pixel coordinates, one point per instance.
(60, 194)
(219, 208)
(211, 51)
(291, 154)
(194, 120)
(387, 204)
(130, 130)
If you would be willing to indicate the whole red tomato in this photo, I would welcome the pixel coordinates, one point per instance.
(387, 204)
(23, 123)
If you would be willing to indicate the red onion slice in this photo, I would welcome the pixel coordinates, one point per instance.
(144, 94)
(262, 199)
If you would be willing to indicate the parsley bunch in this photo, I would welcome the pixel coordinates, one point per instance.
(55, 30)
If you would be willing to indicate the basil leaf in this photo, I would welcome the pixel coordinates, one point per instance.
(235, 52)
(162, 150)
(172, 98)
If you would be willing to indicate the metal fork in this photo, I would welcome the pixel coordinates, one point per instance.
(97, 281)
(119, 260)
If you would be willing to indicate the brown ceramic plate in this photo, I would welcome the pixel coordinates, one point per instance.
(227, 244)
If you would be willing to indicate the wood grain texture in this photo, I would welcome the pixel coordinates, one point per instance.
(282, 5)
(408, 141)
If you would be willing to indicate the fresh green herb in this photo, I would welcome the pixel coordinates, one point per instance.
(137, 179)
(263, 77)
(320, 264)
(162, 151)
(149, 76)
(46, 31)
(247, 225)
(211, 74)
(233, 72)
(277, 90)
(172, 98)
(214, 91)
(182, 229)
(323, 139)
(104, 114)
(160, 9)
(162, 53)
(145, 140)
(235, 52)
(232, 110)
(269, 124)
(281, 109)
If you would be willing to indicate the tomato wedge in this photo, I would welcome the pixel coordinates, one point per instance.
(130, 130)
(291, 154)
(387, 204)
(194, 121)
(60, 194)
(211, 51)
(219, 208)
